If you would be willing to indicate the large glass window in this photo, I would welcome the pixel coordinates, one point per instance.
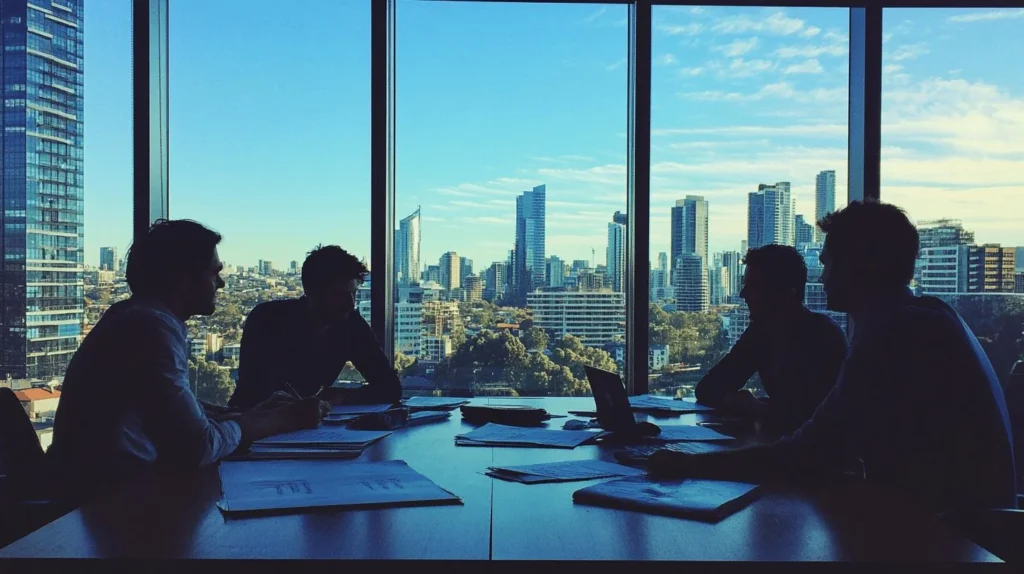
(748, 147)
(510, 195)
(270, 145)
(953, 157)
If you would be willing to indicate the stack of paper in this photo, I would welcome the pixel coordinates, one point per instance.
(433, 403)
(567, 471)
(343, 410)
(292, 484)
(493, 434)
(323, 437)
(677, 433)
(657, 404)
(689, 498)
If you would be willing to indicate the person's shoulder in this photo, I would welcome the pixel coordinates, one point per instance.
(139, 319)
(278, 308)
(822, 323)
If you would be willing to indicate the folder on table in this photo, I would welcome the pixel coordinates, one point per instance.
(709, 500)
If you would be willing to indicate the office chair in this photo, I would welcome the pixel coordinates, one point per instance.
(27, 500)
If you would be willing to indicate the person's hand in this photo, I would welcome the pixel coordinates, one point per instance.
(668, 464)
(276, 400)
(325, 408)
(742, 402)
(303, 414)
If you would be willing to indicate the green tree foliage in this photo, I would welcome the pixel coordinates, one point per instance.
(210, 381)
(692, 338)
(535, 339)
(404, 364)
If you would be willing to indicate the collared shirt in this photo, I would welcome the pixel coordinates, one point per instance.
(918, 402)
(798, 366)
(280, 345)
(126, 404)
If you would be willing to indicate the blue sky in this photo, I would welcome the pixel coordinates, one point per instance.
(270, 119)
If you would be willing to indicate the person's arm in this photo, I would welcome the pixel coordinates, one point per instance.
(731, 373)
(368, 357)
(255, 361)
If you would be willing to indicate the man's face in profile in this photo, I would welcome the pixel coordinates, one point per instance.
(203, 290)
(833, 279)
(338, 301)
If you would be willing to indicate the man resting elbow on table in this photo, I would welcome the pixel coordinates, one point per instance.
(303, 344)
(916, 401)
(126, 405)
(796, 352)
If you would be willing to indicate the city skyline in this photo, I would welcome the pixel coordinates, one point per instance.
(731, 108)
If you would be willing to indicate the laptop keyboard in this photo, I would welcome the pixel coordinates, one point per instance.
(640, 454)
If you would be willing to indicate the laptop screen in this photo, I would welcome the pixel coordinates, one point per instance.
(613, 410)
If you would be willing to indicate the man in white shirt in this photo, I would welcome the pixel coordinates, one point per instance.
(126, 405)
(916, 400)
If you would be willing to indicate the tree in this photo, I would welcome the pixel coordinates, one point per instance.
(211, 382)
(404, 364)
(535, 338)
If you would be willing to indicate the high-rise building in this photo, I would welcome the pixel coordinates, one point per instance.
(407, 250)
(109, 260)
(578, 264)
(474, 287)
(690, 281)
(528, 272)
(589, 280)
(941, 265)
(615, 253)
(555, 271)
(450, 265)
(408, 327)
(990, 268)
(465, 267)
(663, 261)
(718, 285)
(660, 289)
(689, 229)
(41, 183)
(940, 232)
(824, 200)
(265, 267)
(432, 273)
(744, 247)
(293, 267)
(596, 317)
(733, 261)
(804, 232)
(770, 215)
(495, 281)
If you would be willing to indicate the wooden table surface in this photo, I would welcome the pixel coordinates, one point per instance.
(176, 518)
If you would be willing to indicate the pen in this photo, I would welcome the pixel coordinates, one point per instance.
(293, 391)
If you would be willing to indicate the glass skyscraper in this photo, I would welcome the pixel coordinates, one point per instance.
(407, 250)
(528, 269)
(689, 229)
(41, 186)
(770, 216)
(824, 199)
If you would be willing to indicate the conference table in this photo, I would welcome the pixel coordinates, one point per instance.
(174, 518)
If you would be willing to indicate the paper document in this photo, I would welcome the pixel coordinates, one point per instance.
(268, 452)
(648, 402)
(434, 403)
(674, 433)
(426, 417)
(340, 410)
(689, 498)
(325, 436)
(566, 471)
(295, 484)
(493, 434)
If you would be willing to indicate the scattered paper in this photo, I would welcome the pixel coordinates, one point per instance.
(493, 434)
(674, 433)
(325, 436)
(652, 403)
(434, 403)
(566, 471)
(339, 410)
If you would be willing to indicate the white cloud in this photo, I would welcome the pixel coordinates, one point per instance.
(909, 52)
(737, 48)
(691, 29)
(608, 174)
(812, 66)
(696, 10)
(777, 23)
(595, 15)
(1004, 14)
(668, 60)
(822, 129)
(691, 71)
(740, 68)
(810, 32)
(780, 90)
(812, 51)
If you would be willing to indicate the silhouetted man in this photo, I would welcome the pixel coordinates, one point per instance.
(304, 343)
(127, 405)
(917, 400)
(796, 352)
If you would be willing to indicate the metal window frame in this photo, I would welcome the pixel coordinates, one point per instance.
(150, 139)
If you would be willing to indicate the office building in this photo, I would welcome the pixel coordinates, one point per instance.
(718, 285)
(733, 261)
(990, 268)
(293, 267)
(408, 327)
(824, 200)
(441, 317)
(555, 271)
(265, 267)
(407, 250)
(660, 286)
(770, 216)
(435, 349)
(690, 281)
(804, 232)
(432, 274)
(450, 266)
(465, 268)
(529, 260)
(495, 281)
(596, 317)
(578, 264)
(473, 287)
(941, 232)
(589, 280)
(663, 261)
(941, 269)
(689, 229)
(41, 183)
(615, 254)
(109, 260)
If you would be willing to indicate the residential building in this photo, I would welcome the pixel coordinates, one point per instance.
(718, 285)
(495, 281)
(804, 232)
(109, 260)
(435, 349)
(266, 268)
(659, 284)
(555, 271)
(596, 317)
(690, 281)
(657, 355)
(232, 352)
(40, 403)
(733, 261)
(941, 269)
(432, 273)
(408, 328)
(770, 216)
(41, 182)
(407, 250)
(474, 288)
(689, 232)
(197, 347)
(451, 269)
(529, 260)
(441, 317)
(824, 200)
(990, 268)
(615, 254)
(465, 269)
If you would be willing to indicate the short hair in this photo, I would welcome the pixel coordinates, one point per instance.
(169, 249)
(328, 263)
(877, 238)
(782, 267)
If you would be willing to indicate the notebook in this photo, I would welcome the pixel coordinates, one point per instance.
(708, 500)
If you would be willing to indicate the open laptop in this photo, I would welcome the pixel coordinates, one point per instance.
(613, 410)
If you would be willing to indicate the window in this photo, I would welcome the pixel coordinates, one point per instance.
(510, 195)
(952, 148)
(270, 143)
(748, 147)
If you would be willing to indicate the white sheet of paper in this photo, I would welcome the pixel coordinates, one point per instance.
(568, 470)
(293, 484)
(649, 402)
(434, 402)
(338, 410)
(325, 435)
(502, 435)
(674, 433)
